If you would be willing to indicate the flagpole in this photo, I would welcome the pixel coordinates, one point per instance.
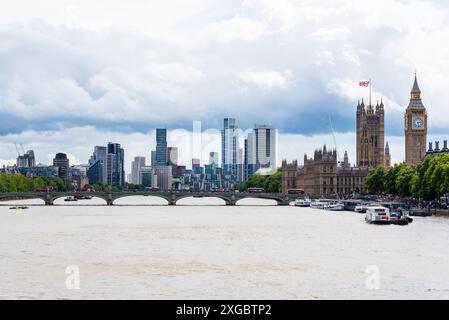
(370, 92)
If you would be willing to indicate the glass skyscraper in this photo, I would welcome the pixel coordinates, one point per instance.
(161, 147)
(260, 149)
(229, 147)
(115, 165)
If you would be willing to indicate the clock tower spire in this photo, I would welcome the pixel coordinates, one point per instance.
(415, 127)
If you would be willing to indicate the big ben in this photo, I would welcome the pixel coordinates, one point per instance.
(415, 127)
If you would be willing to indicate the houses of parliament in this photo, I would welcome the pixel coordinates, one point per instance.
(370, 129)
(323, 174)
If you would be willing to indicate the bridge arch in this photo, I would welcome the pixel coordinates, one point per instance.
(141, 200)
(204, 200)
(280, 199)
(256, 201)
(96, 200)
(9, 199)
(126, 195)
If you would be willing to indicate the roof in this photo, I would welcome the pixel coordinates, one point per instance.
(415, 85)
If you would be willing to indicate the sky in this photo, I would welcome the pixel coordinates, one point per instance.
(75, 74)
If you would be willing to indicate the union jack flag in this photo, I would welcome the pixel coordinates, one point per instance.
(364, 83)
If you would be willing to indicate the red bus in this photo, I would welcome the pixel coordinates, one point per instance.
(255, 190)
(295, 191)
(46, 189)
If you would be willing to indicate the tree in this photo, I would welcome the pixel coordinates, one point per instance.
(391, 175)
(375, 180)
(404, 178)
(271, 183)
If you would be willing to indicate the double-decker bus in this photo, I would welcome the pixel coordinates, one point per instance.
(44, 189)
(295, 191)
(255, 190)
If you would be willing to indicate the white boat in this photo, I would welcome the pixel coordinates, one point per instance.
(304, 203)
(377, 215)
(338, 206)
(70, 199)
(319, 204)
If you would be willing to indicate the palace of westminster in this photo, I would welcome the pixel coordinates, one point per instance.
(323, 175)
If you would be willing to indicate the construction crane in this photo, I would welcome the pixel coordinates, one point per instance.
(333, 135)
(23, 150)
(17, 149)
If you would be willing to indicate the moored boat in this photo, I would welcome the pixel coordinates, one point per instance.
(318, 204)
(338, 206)
(303, 203)
(70, 199)
(361, 208)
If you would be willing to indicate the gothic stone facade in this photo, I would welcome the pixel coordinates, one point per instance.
(415, 128)
(321, 175)
(370, 132)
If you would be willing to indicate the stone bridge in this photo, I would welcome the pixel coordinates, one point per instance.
(230, 198)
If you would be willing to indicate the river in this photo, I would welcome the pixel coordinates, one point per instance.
(217, 252)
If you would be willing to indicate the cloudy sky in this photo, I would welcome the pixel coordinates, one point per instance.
(74, 74)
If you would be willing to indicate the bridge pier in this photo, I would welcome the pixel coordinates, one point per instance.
(173, 200)
(109, 199)
(49, 203)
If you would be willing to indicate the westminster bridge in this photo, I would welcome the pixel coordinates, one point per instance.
(230, 198)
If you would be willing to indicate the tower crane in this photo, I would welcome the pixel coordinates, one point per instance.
(335, 139)
(17, 149)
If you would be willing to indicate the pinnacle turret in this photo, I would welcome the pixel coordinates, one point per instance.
(415, 88)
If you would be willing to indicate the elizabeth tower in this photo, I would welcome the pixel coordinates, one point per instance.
(415, 128)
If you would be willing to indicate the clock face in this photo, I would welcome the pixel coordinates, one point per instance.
(418, 123)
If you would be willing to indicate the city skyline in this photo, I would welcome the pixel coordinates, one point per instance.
(289, 64)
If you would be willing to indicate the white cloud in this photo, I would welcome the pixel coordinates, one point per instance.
(237, 28)
(157, 63)
(266, 79)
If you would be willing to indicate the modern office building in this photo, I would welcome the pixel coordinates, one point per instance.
(27, 160)
(146, 176)
(40, 171)
(62, 163)
(136, 166)
(196, 163)
(229, 149)
(97, 166)
(78, 177)
(164, 177)
(95, 173)
(214, 158)
(161, 147)
(240, 165)
(260, 150)
(153, 158)
(172, 156)
(115, 168)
